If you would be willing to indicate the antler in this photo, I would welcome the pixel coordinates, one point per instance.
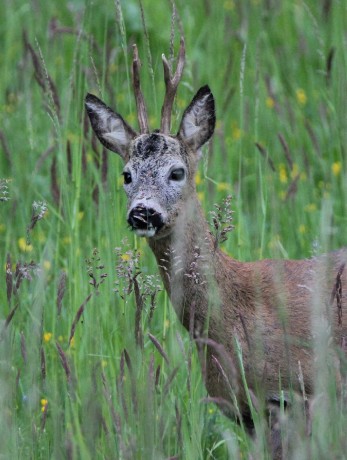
(171, 83)
(140, 102)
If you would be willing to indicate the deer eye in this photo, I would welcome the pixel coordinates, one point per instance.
(127, 177)
(177, 174)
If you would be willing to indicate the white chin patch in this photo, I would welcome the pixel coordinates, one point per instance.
(149, 232)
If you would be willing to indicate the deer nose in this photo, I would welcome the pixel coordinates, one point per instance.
(142, 218)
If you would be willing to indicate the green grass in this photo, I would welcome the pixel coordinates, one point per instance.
(267, 65)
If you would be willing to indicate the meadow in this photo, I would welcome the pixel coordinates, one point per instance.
(93, 362)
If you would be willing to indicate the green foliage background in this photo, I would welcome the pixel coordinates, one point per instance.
(277, 70)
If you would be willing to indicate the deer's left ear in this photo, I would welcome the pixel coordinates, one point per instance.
(199, 119)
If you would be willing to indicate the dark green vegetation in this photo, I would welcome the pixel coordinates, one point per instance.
(93, 363)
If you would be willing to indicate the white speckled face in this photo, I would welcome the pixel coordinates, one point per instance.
(159, 168)
(155, 178)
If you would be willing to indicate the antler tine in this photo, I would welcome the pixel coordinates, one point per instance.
(140, 102)
(171, 83)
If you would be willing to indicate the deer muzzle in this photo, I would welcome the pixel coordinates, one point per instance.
(145, 221)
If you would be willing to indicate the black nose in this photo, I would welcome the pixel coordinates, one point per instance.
(142, 218)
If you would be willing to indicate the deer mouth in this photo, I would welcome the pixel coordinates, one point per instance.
(145, 221)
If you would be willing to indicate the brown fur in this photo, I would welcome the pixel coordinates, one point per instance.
(268, 306)
(259, 321)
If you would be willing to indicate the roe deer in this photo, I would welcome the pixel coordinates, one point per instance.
(262, 310)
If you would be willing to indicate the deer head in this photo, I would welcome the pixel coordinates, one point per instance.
(159, 167)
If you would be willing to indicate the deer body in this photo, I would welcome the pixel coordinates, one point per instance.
(267, 308)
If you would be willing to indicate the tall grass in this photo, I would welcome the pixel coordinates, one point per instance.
(93, 363)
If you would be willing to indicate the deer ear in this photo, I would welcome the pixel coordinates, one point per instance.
(199, 119)
(113, 132)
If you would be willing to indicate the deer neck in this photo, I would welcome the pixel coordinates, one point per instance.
(188, 262)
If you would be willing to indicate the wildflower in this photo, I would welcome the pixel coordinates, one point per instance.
(125, 257)
(223, 187)
(201, 196)
(236, 132)
(336, 168)
(198, 179)
(270, 102)
(44, 403)
(24, 246)
(47, 337)
(211, 410)
(283, 174)
(301, 96)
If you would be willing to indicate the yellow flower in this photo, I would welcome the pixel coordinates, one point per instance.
(223, 187)
(236, 132)
(336, 168)
(283, 174)
(201, 196)
(23, 246)
(125, 257)
(301, 96)
(198, 179)
(302, 228)
(47, 336)
(44, 403)
(270, 102)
